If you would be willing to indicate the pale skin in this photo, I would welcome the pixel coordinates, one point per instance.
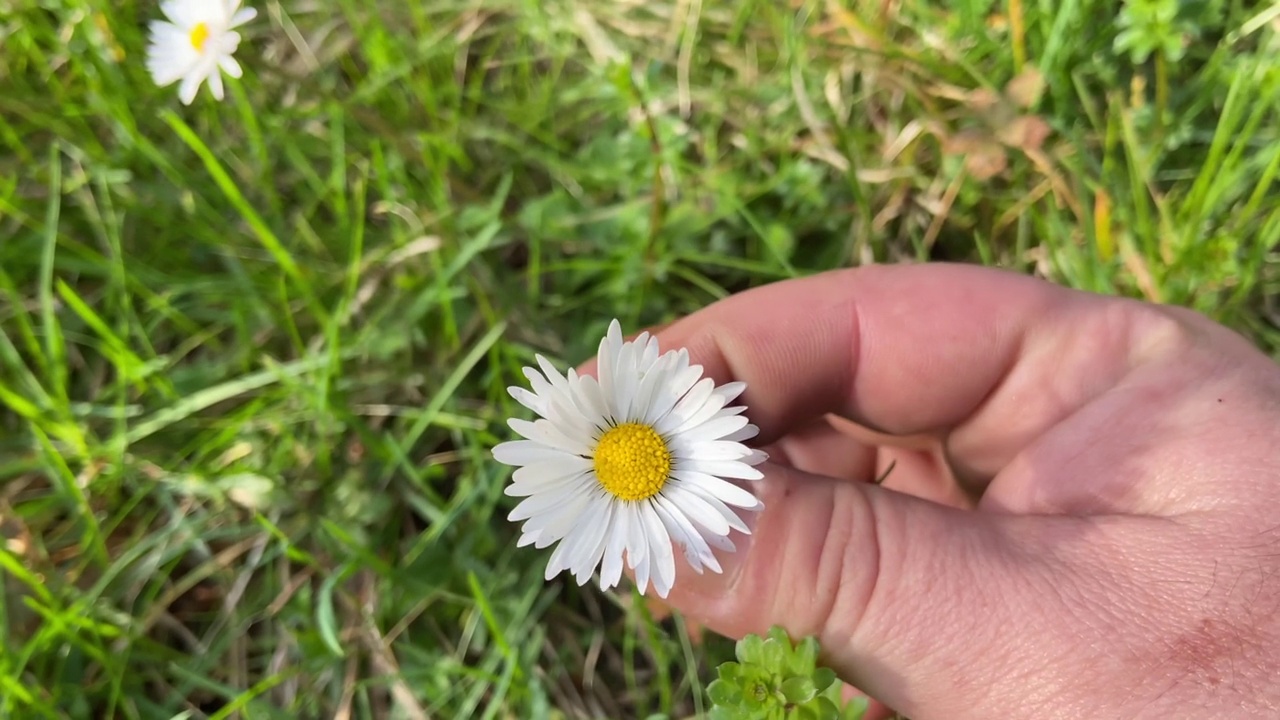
(1083, 513)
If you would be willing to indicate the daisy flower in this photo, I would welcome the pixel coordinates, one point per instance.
(196, 41)
(630, 464)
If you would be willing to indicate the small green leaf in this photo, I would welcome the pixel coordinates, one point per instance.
(778, 634)
(721, 712)
(805, 657)
(825, 709)
(810, 711)
(798, 689)
(723, 693)
(326, 621)
(729, 671)
(774, 654)
(750, 650)
(823, 678)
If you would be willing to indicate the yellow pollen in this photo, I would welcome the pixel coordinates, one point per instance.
(199, 36)
(632, 461)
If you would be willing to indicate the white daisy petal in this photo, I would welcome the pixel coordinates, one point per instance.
(580, 540)
(556, 562)
(536, 380)
(527, 452)
(637, 548)
(591, 547)
(724, 468)
(557, 522)
(715, 428)
(649, 355)
(614, 335)
(558, 381)
(606, 367)
(697, 509)
(188, 87)
(701, 415)
(745, 432)
(215, 84)
(735, 522)
(722, 489)
(542, 503)
(548, 472)
(620, 468)
(730, 391)
(549, 434)
(698, 395)
(679, 537)
(625, 380)
(166, 74)
(637, 347)
(184, 13)
(671, 392)
(242, 16)
(559, 404)
(531, 400)
(647, 388)
(696, 551)
(571, 405)
(229, 66)
(712, 450)
(546, 484)
(611, 568)
(229, 40)
(585, 393)
(722, 543)
(663, 555)
(640, 570)
(593, 402)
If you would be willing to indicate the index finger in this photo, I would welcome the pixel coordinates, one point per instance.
(914, 349)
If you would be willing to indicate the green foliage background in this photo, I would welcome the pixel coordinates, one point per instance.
(252, 354)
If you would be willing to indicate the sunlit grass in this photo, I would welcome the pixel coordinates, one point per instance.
(253, 354)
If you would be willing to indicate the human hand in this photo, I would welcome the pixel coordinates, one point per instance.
(1083, 513)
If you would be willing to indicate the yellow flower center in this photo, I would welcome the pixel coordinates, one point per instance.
(632, 461)
(199, 36)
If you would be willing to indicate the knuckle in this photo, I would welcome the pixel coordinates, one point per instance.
(851, 566)
(1156, 332)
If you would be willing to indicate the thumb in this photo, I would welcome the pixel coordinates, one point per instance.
(911, 601)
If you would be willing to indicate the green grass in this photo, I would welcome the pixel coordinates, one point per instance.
(253, 354)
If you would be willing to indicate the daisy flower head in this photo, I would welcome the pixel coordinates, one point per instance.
(196, 44)
(631, 463)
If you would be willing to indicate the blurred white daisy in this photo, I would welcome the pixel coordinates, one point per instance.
(633, 463)
(195, 43)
